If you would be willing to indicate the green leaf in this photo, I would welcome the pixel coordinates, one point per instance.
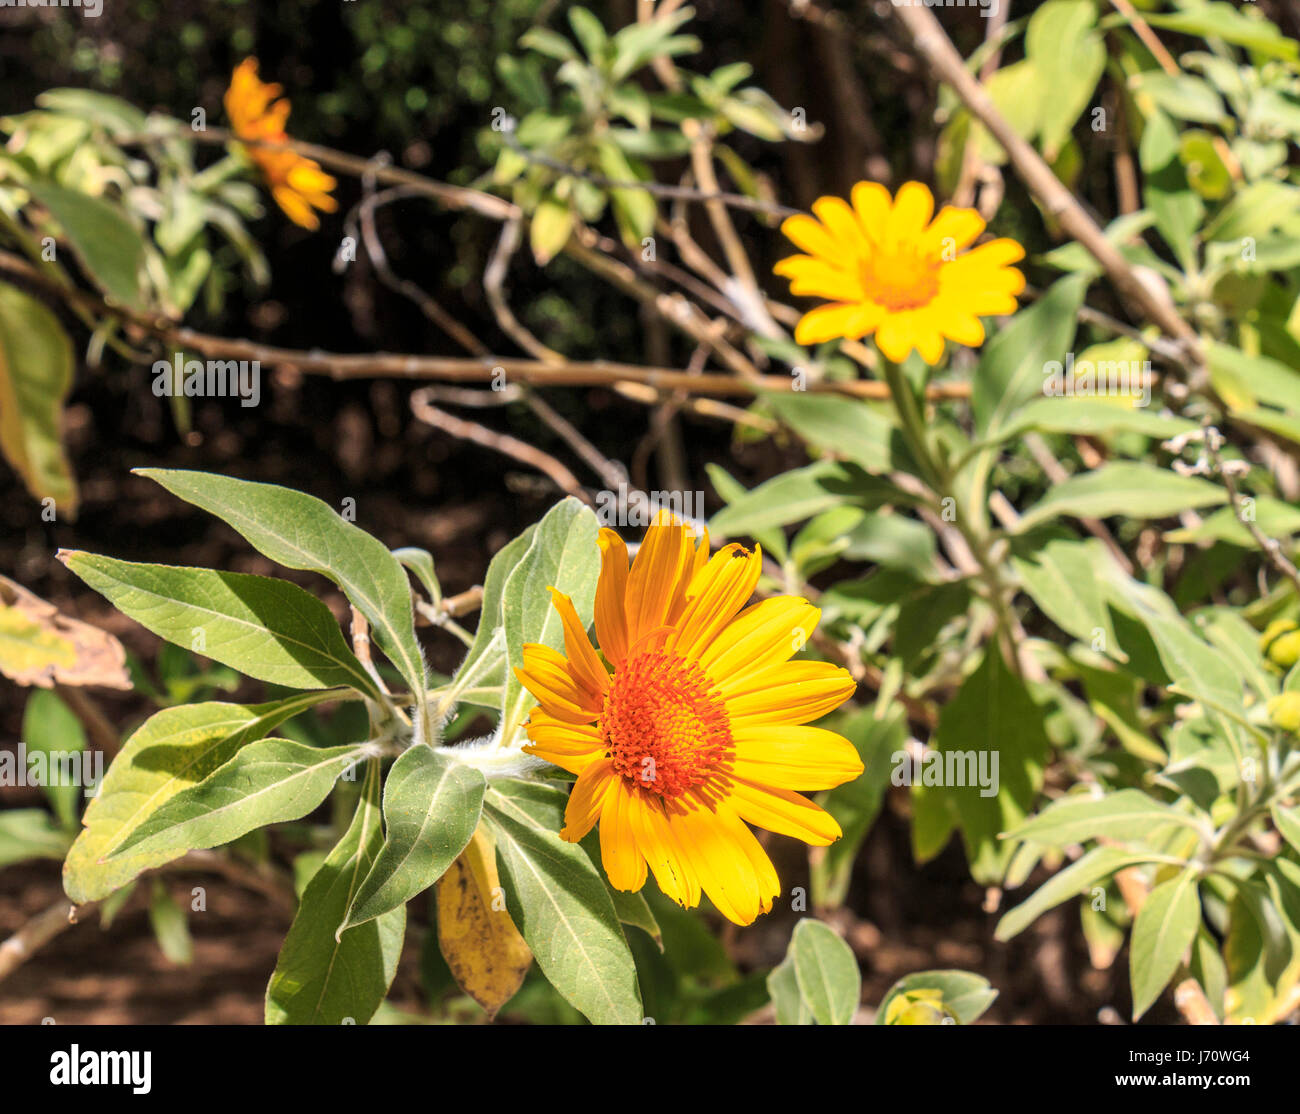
(1128, 814)
(266, 628)
(30, 833)
(1181, 95)
(1060, 578)
(562, 909)
(630, 908)
(1010, 371)
(1221, 20)
(1091, 417)
(36, 370)
(119, 117)
(856, 803)
(590, 32)
(420, 562)
(991, 715)
(1098, 864)
(854, 430)
(563, 555)
(264, 783)
(301, 532)
(1063, 46)
(826, 971)
(796, 495)
(321, 980)
(1287, 821)
(1162, 933)
(171, 751)
(634, 209)
(783, 989)
(500, 567)
(168, 921)
(1124, 487)
(960, 995)
(549, 228)
(51, 729)
(102, 236)
(431, 808)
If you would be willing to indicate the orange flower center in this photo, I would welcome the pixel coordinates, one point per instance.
(665, 729)
(901, 278)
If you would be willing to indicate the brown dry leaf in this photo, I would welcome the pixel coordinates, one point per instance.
(484, 950)
(39, 646)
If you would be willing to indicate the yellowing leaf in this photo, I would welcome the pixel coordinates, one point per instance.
(38, 646)
(35, 377)
(482, 947)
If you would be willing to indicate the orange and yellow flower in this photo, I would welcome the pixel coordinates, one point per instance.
(689, 723)
(891, 271)
(258, 112)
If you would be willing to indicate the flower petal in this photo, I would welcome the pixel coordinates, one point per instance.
(587, 799)
(784, 812)
(790, 757)
(611, 588)
(792, 692)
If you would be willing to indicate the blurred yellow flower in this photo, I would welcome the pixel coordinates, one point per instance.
(888, 269)
(297, 183)
(686, 727)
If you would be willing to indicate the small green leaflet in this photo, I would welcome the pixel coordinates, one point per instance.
(265, 783)
(431, 808)
(172, 751)
(826, 971)
(321, 980)
(563, 911)
(266, 628)
(563, 555)
(1162, 933)
(301, 532)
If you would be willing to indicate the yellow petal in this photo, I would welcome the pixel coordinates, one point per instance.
(913, 208)
(657, 577)
(587, 799)
(817, 278)
(669, 864)
(786, 756)
(792, 692)
(716, 594)
(953, 231)
(763, 635)
(871, 203)
(546, 675)
(783, 811)
(807, 234)
(723, 861)
(625, 865)
(829, 322)
(611, 623)
(584, 665)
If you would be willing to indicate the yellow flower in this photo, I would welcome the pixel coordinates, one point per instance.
(257, 111)
(687, 725)
(889, 270)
